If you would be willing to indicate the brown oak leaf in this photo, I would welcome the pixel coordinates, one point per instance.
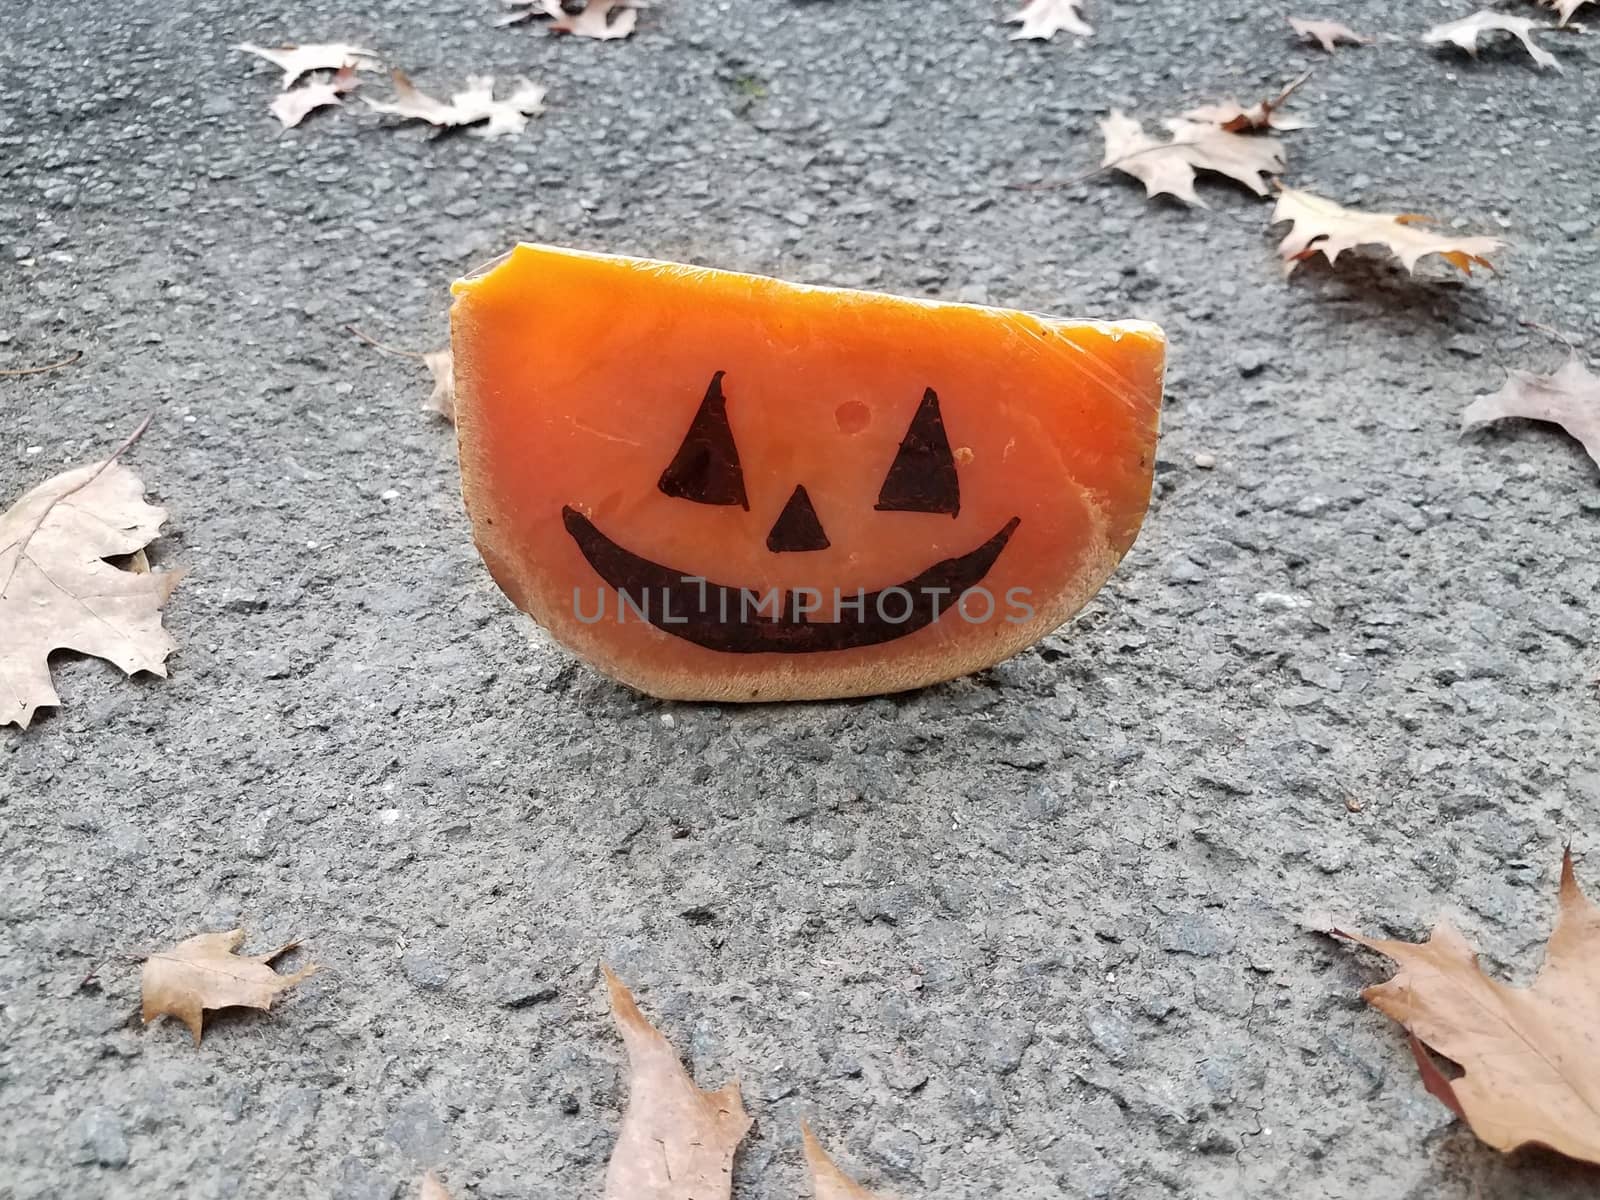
(677, 1141)
(1328, 34)
(58, 592)
(1569, 398)
(1169, 167)
(295, 61)
(1528, 1053)
(1233, 117)
(205, 972)
(1321, 226)
(1043, 19)
(828, 1182)
(474, 105)
(1464, 33)
(293, 106)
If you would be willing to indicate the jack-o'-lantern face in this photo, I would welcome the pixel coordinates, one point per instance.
(922, 477)
(715, 486)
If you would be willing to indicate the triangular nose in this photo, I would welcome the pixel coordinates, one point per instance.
(797, 527)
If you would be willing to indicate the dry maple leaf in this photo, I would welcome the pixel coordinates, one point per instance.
(1328, 34)
(1043, 19)
(1231, 116)
(1464, 33)
(293, 106)
(1169, 167)
(203, 972)
(58, 592)
(602, 20)
(828, 1182)
(677, 1141)
(1528, 1053)
(474, 104)
(1570, 398)
(1321, 225)
(295, 61)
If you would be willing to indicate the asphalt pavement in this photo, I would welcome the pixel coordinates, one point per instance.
(1046, 931)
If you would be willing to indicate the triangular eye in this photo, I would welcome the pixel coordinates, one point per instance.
(922, 477)
(706, 467)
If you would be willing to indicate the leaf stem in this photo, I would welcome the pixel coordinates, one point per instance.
(384, 346)
(1289, 89)
(1552, 331)
(65, 362)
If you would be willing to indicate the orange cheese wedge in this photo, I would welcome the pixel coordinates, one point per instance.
(715, 486)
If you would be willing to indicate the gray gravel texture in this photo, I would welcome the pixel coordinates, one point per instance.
(1039, 932)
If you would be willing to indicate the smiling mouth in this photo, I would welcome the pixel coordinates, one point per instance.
(720, 617)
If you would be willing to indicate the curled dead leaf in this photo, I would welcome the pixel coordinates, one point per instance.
(295, 61)
(293, 106)
(1043, 19)
(1328, 34)
(1569, 398)
(1531, 1076)
(1464, 33)
(1169, 167)
(1233, 117)
(1321, 226)
(442, 400)
(204, 972)
(677, 1141)
(474, 105)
